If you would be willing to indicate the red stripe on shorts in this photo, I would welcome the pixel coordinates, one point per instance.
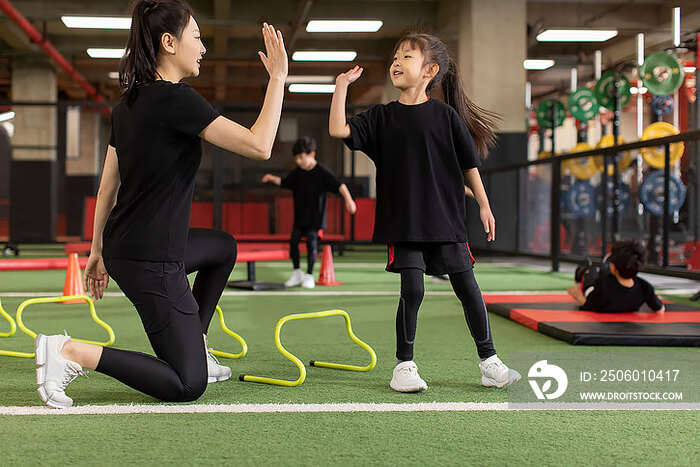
(471, 257)
(390, 251)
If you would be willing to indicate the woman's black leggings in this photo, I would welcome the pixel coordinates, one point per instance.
(311, 247)
(173, 316)
(467, 291)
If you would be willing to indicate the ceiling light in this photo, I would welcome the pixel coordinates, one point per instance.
(7, 116)
(323, 56)
(310, 79)
(105, 53)
(635, 90)
(531, 64)
(312, 88)
(343, 26)
(97, 22)
(576, 35)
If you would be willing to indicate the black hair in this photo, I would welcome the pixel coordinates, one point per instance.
(482, 123)
(150, 19)
(628, 257)
(304, 144)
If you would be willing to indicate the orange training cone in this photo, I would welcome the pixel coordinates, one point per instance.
(74, 279)
(327, 275)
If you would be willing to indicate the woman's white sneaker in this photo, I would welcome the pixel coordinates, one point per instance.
(296, 279)
(406, 378)
(53, 371)
(215, 371)
(495, 373)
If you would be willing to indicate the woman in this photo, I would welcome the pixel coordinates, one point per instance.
(141, 237)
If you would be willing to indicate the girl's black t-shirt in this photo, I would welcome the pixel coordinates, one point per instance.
(420, 152)
(159, 151)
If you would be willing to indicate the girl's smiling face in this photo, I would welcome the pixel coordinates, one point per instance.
(407, 68)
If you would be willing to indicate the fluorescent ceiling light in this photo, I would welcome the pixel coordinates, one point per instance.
(312, 88)
(310, 79)
(323, 56)
(343, 26)
(105, 53)
(113, 75)
(576, 35)
(7, 116)
(97, 22)
(531, 64)
(689, 69)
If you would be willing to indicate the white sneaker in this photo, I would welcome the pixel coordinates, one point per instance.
(296, 279)
(54, 372)
(406, 378)
(215, 372)
(308, 282)
(495, 373)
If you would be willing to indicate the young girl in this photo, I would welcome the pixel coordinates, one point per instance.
(422, 149)
(141, 236)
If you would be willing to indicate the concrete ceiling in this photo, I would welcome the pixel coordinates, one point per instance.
(231, 71)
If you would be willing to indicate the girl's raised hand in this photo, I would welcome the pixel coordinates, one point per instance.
(275, 60)
(350, 76)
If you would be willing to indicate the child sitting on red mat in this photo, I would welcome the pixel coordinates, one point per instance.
(615, 287)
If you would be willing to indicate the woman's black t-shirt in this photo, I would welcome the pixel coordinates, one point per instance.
(159, 152)
(420, 152)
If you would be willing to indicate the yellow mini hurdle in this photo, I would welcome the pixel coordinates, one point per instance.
(299, 364)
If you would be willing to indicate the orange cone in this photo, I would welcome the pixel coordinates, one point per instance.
(327, 275)
(74, 279)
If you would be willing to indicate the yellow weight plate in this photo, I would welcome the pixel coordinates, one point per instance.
(624, 161)
(582, 168)
(655, 156)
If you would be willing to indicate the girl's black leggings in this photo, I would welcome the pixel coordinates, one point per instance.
(173, 316)
(467, 291)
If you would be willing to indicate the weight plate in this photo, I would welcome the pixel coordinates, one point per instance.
(605, 86)
(651, 193)
(661, 73)
(583, 104)
(544, 113)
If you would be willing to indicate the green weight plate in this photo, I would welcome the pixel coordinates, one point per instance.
(604, 90)
(544, 113)
(583, 104)
(661, 73)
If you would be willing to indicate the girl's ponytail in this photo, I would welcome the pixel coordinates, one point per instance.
(150, 19)
(481, 122)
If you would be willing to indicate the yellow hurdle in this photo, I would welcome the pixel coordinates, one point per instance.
(32, 334)
(225, 328)
(13, 326)
(299, 364)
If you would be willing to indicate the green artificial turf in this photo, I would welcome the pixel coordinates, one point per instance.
(445, 354)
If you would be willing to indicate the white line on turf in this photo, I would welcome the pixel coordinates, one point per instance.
(337, 407)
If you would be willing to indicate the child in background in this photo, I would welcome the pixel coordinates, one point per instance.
(425, 150)
(309, 183)
(617, 288)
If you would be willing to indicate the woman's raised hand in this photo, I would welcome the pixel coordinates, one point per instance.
(275, 59)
